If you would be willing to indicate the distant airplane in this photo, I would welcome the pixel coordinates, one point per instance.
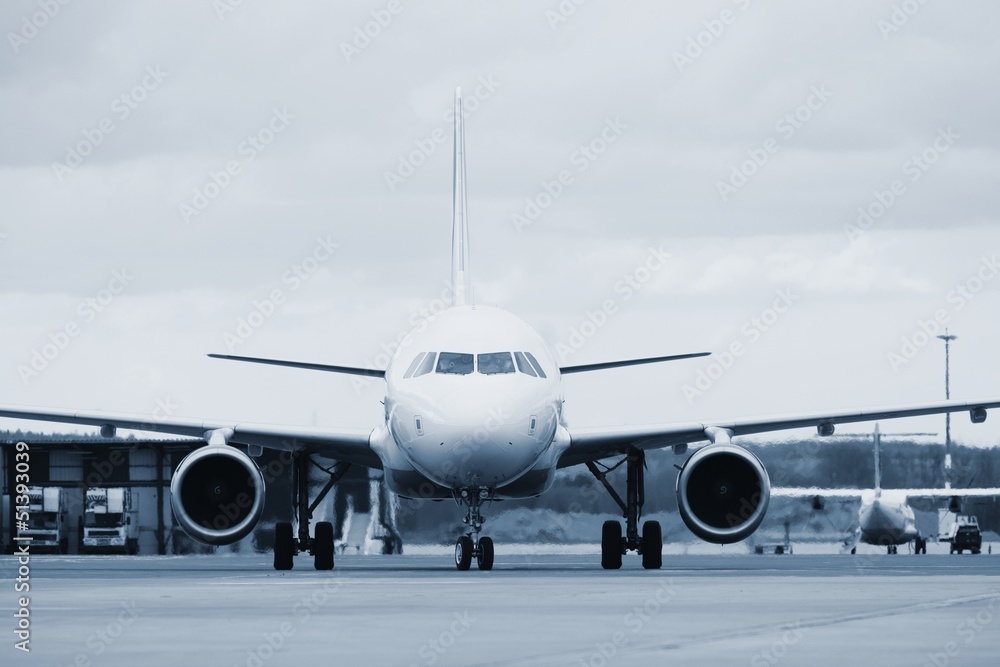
(885, 517)
(473, 413)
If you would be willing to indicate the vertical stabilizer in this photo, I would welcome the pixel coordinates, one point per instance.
(878, 459)
(460, 278)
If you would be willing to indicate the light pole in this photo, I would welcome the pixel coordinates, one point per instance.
(947, 338)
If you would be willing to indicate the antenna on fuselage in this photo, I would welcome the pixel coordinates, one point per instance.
(460, 278)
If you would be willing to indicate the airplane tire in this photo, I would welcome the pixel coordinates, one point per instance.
(652, 545)
(611, 545)
(323, 546)
(284, 546)
(484, 559)
(463, 552)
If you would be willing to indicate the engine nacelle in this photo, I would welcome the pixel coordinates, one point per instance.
(722, 492)
(217, 494)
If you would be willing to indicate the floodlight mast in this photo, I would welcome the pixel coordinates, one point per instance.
(947, 338)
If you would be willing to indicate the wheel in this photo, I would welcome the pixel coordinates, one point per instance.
(132, 546)
(611, 545)
(284, 546)
(323, 546)
(652, 545)
(463, 552)
(484, 559)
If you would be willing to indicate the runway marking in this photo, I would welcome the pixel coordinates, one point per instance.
(641, 648)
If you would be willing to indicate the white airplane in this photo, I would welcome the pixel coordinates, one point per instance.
(885, 517)
(473, 412)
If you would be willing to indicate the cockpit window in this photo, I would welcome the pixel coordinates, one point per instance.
(495, 363)
(534, 364)
(523, 365)
(455, 362)
(413, 366)
(427, 366)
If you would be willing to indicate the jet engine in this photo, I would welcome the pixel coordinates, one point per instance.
(217, 494)
(722, 492)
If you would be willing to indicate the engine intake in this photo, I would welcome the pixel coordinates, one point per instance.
(217, 494)
(723, 492)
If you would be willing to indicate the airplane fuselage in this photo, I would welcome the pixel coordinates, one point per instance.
(886, 521)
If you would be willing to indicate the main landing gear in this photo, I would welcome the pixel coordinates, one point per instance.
(613, 545)
(287, 546)
(470, 545)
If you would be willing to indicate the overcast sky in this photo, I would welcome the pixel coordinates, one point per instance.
(166, 167)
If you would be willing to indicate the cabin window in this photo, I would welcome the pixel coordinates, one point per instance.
(455, 363)
(494, 363)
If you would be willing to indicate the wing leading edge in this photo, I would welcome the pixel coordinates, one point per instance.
(812, 492)
(349, 445)
(590, 444)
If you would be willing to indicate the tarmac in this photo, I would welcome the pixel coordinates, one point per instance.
(532, 609)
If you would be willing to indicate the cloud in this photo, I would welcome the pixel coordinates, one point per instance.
(354, 119)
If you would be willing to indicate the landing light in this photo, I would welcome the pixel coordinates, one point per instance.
(825, 429)
(978, 415)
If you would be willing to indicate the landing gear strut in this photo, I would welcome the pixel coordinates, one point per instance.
(470, 545)
(286, 546)
(650, 543)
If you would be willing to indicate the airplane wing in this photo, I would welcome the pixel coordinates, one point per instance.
(591, 444)
(348, 445)
(947, 493)
(813, 492)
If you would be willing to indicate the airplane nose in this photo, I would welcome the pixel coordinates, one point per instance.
(475, 439)
(484, 415)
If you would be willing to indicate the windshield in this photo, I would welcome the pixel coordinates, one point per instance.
(456, 363)
(486, 363)
(494, 363)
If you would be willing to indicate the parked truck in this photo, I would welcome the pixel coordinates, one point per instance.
(961, 531)
(108, 524)
(46, 519)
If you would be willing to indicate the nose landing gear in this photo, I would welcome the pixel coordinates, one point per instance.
(471, 545)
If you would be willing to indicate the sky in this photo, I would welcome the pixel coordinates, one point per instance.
(807, 190)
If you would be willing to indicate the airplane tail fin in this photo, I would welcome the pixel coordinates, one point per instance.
(460, 277)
